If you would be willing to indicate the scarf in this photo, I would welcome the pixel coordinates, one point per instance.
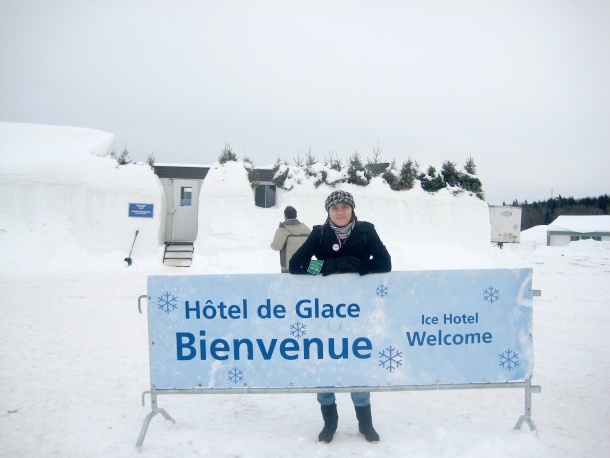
(342, 233)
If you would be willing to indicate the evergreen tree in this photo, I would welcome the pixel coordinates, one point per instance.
(123, 158)
(298, 161)
(470, 166)
(432, 182)
(392, 177)
(375, 165)
(252, 173)
(450, 173)
(408, 174)
(280, 173)
(472, 184)
(322, 178)
(469, 182)
(310, 161)
(227, 155)
(333, 161)
(150, 160)
(356, 173)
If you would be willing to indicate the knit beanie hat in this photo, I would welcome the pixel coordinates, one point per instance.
(339, 196)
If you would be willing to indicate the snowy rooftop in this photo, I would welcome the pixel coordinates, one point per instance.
(582, 224)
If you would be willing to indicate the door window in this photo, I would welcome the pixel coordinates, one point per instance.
(186, 196)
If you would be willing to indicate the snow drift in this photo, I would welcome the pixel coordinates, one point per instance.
(59, 185)
(64, 178)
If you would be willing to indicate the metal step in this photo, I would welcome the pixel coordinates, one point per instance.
(178, 254)
(181, 247)
(178, 262)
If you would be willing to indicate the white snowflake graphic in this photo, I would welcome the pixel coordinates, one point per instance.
(235, 375)
(491, 295)
(167, 302)
(509, 360)
(391, 360)
(298, 330)
(382, 290)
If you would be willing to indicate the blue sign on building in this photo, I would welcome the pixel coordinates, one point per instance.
(141, 210)
(399, 328)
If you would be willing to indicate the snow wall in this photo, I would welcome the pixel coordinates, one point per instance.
(60, 187)
(420, 230)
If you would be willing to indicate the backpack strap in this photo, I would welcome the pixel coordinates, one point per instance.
(296, 236)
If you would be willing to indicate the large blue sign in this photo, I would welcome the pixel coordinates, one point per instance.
(399, 328)
(141, 210)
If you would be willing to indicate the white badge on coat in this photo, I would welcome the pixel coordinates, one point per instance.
(336, 247)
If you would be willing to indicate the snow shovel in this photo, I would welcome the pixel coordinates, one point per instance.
(128, 259)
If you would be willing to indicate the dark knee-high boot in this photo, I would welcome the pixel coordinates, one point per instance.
(331, 418)
(365, 423)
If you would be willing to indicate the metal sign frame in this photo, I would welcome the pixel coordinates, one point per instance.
(506, 312)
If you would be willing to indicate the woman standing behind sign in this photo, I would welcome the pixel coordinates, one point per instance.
(345, 245)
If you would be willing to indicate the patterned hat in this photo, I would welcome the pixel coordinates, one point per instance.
(339, 196)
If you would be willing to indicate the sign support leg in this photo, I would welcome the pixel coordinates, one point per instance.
(527, 417)
(155, 410)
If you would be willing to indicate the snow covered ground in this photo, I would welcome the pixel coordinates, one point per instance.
(74, 362)
(74, 352)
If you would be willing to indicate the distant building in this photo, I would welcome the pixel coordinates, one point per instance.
(566, 229)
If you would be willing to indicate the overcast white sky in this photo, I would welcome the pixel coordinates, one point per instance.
(522, 86)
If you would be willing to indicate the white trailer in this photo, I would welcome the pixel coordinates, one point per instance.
(505, 224)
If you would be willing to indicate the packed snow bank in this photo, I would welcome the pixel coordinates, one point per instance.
(21, 144)
(421, 230)
(60, 185)
(233, 233)
(535, 235)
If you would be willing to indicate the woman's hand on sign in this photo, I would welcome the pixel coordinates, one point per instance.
(344, 264)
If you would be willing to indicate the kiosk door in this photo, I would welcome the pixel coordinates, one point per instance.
(182, 197)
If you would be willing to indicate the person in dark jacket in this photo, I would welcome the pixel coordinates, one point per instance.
(346, 245)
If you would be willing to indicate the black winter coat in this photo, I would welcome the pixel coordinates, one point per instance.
(363, 243)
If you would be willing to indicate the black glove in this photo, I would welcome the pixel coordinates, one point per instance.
(347, 264)
(328, 267)
(341, 265)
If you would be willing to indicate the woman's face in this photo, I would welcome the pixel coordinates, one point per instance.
(340, 214)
